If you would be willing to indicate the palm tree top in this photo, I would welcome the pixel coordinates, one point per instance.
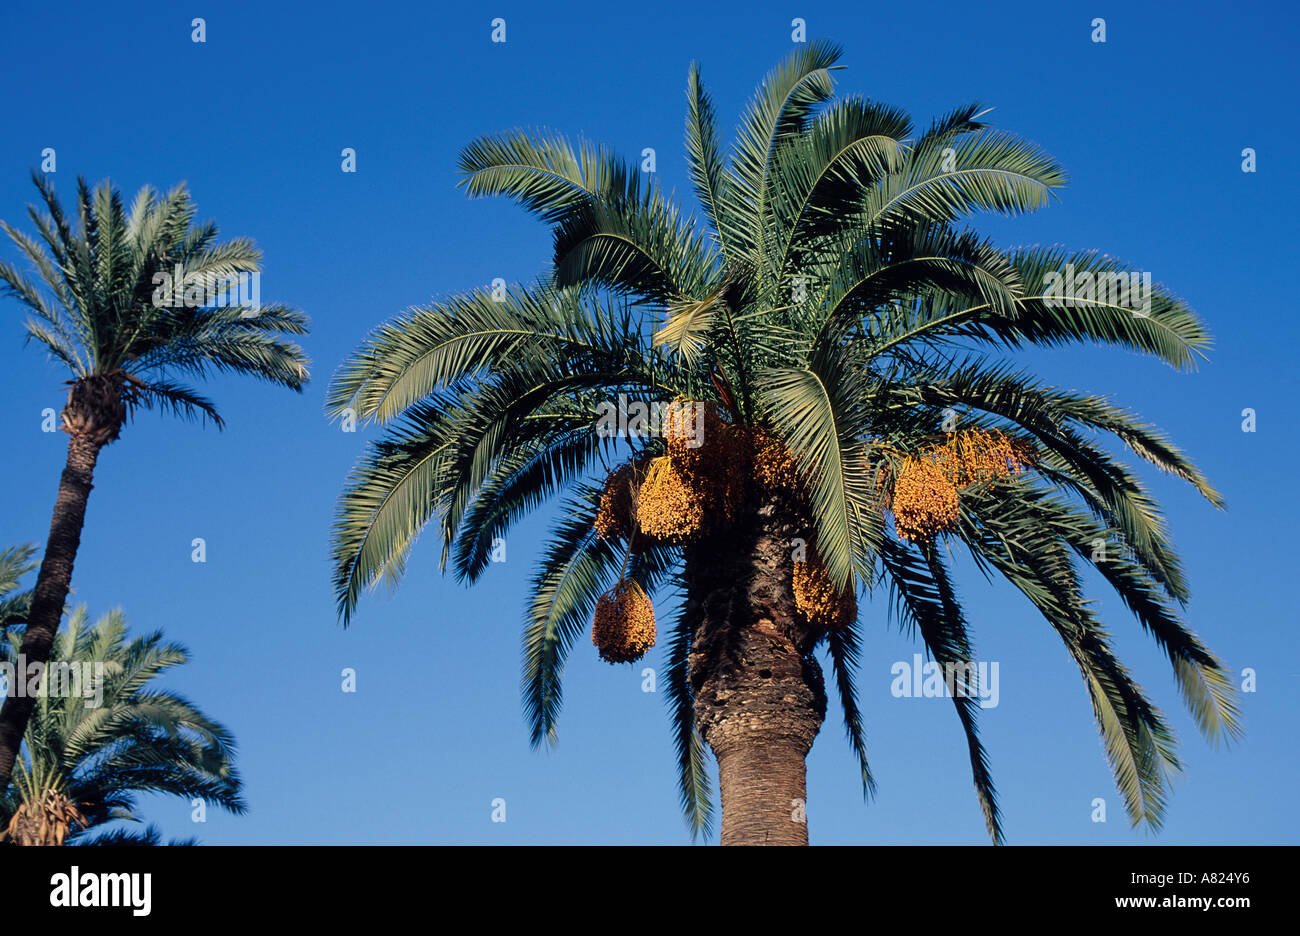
(106, 302)
(101, 753)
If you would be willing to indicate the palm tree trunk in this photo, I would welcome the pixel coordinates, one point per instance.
(52, 584)
(759, 695)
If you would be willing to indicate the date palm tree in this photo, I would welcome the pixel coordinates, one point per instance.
(129, 301)
(826, 297)
(88, 754)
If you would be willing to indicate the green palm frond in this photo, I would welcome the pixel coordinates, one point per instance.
(924, 599)
(466, 338)
(1205, 683)
(634, 244)
(819, 177)
(1050, 314)
(15, 563)
(1137, 740)
(1055, 418)
(704, 154)
(843, 645)
(508, 411)
(693, 784)
(1017, 395)
(388, 499)
(816, 412)
(150, 835)
(542, 171)
(576, 569)
(988, 170)
(525, 477)
(880, 276)
(779, 110)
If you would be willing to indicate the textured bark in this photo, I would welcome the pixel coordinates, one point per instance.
(52, 584)
(759, 694)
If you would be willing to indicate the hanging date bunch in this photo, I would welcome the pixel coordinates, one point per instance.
(674, 503)
(926, 495)
(925, 501)
(819, 605)
(624, 627)
(616, 516)
(980, 456)
(773, 466)
(696, 487)
(700, 484)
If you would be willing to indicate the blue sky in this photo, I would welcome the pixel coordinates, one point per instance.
(1150, 126)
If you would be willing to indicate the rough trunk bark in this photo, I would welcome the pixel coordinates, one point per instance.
(759, 695)
(52, 583)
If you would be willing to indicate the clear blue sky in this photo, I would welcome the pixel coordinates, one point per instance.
(1150, 125)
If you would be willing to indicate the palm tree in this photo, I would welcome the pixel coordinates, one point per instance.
(89, 753)
(128, 301)
(844, 337)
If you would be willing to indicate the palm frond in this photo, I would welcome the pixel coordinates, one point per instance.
(843, 646)
(923, 596)
(541, 171)
(693, 783)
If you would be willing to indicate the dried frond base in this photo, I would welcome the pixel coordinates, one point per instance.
(45, 821)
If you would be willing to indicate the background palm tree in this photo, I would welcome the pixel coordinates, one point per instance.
(829, 302)
(108, 305)
(86, 759)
